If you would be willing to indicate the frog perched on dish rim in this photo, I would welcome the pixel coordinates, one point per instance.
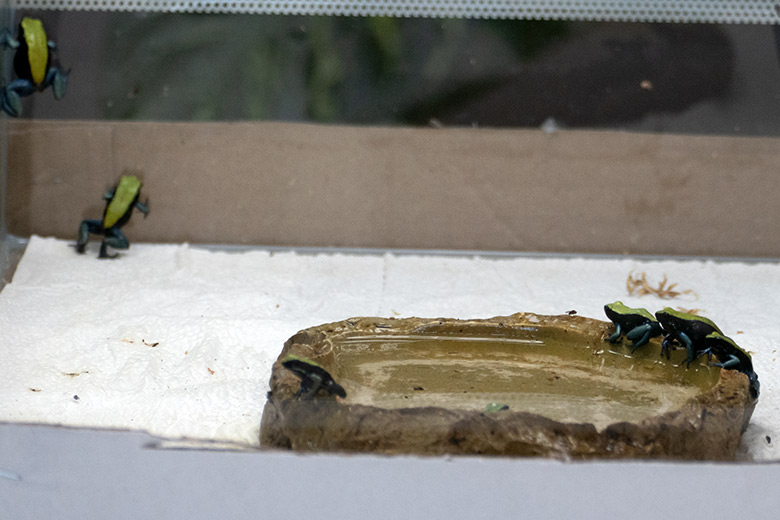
(637, 325)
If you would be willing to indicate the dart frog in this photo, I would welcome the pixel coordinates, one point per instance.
(732, 356)
(33, 64)
(690, 330)
(638, 325)
(313, 377)
(120, 202)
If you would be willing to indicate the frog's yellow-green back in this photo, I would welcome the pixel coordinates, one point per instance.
(124, 195)
(622, 308)
(37, 48)
(691, 317)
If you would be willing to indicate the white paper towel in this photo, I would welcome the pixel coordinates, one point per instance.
(179, 341)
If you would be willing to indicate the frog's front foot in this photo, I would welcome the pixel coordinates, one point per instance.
(143, 207)
(666, 347)
(7, 39)
(616, 336)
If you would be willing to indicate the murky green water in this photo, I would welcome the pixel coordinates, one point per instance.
(564, 377)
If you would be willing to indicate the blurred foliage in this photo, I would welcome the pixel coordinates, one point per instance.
(325, 69)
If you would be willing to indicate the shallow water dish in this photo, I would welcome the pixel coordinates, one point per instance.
(525, 385)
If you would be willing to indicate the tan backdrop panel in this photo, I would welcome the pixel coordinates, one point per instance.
(311, 185)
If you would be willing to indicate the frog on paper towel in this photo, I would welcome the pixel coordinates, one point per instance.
(120, 202)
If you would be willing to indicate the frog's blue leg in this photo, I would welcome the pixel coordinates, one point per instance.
(732, 361)
(11, 96)
(87, 227)
(642, 332)
(115, 239)
(690, 350)
(58, 81)
(616, 336)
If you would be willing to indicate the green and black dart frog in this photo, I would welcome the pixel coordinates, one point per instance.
(313, 377)
(688, 329)
(732, 356)
(637, 325)
(121, 201)
(34, 64)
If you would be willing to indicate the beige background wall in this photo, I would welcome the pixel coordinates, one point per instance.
(309, 185)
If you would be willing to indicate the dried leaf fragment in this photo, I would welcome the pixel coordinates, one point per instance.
(637, 285)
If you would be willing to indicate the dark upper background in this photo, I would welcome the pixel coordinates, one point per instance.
(689, 78)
